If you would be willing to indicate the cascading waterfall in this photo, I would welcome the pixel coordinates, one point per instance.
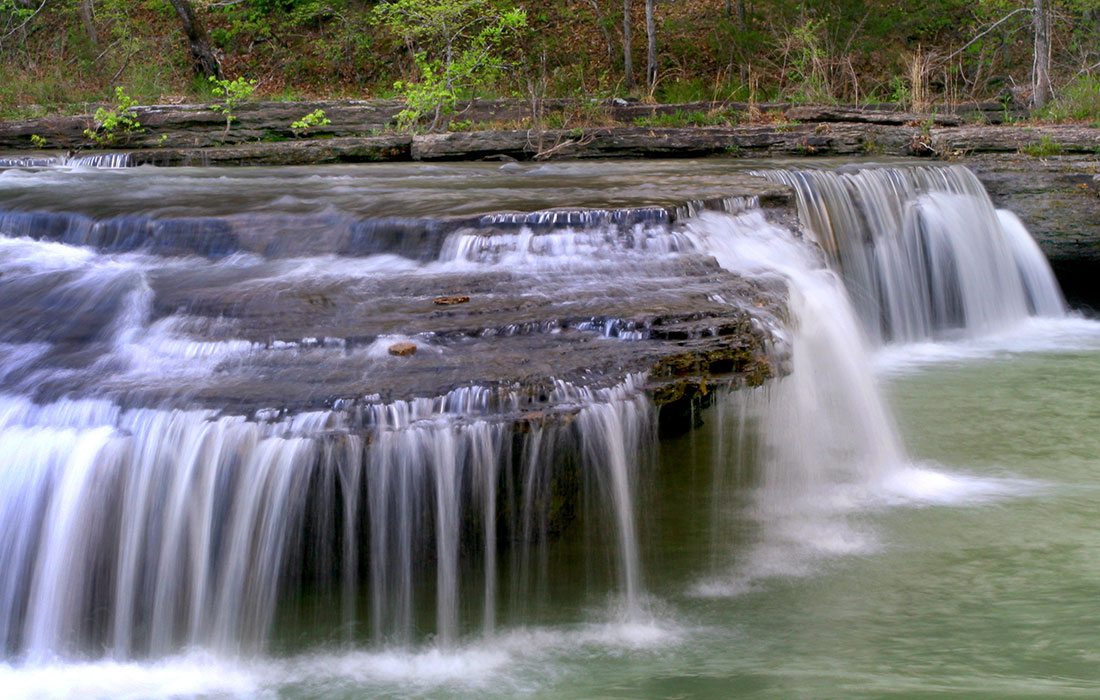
(923, 251)
(97, 160)
(829, 361)
(142, 531)
(919, 253)
(145, 531)
(142, 518)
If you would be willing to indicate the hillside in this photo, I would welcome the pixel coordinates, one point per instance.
(58, 57)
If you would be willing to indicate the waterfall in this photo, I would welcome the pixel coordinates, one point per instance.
(829, 366)
(923, 251)
(145, 531)
(97, 160)
(153, 500)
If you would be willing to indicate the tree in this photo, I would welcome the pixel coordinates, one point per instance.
(456, 45)
(628, 56)
(1040, 71)
(651, 46)
(87, 16)
(204, 62)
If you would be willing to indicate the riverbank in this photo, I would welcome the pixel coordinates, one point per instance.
(358, 131)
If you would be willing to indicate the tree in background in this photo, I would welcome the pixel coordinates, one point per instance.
(204, 61)
(1040, 72)
(457, 46)
(651, 47)
(628, 56)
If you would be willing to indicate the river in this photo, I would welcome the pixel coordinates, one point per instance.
(910, 513)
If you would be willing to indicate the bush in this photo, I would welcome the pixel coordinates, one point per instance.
(119, 121)
(457, 50)
(1078, 101)
(312, 120)
(231, 93)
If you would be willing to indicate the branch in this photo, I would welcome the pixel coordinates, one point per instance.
(25, 23)
(1087, 70)
(584, 140)
(988, 30)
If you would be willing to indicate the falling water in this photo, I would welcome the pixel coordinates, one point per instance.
(923, 252)
(145, 531)
(97, 160)
(829, 358)
(141, 520)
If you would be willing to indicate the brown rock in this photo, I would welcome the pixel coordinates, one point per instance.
(403, 349)
(451, 300)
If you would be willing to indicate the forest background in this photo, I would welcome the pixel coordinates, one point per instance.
(63, 56)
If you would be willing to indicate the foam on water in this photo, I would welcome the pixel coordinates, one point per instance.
(1039, 334)
(521, 661)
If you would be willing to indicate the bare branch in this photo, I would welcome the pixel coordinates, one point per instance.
(988, 30)
(27, 21)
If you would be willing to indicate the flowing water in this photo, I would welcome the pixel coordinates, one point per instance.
(907, 514)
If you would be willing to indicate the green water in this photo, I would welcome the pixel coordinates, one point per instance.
(993, 592)
(989, 587)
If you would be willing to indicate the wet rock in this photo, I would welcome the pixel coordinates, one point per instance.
(451, 300)
(402, 349)
(1058, 199)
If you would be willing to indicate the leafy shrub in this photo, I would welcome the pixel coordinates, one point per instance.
(457, 50)
(118, 121)
(231, 94)
(312, 120)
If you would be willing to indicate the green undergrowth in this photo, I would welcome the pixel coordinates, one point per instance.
(1043, 148)
(1078, 102)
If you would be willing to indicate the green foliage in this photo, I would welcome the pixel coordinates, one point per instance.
(231, 94)
(1078, 101)
(1044, 147)
(120, 121)
(806, 59)
(14, 14)
(38, 141)
(766, 50)
(680, 118)
(681, 91)
(312, 120)
(900, 92)
(457, 48)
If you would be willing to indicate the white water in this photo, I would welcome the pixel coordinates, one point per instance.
(923, 252)
(98, 160)
(195, 522)
(926, 254)
(812, 473)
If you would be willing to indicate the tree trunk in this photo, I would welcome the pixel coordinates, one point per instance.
(1040, 75)
(651, 46)
(628, 57)
(606, 33)
(87, 17)
(203, 59)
